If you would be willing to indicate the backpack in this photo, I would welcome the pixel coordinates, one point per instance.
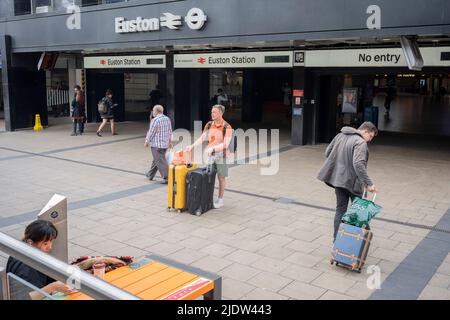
(233, 142)
(102, 107)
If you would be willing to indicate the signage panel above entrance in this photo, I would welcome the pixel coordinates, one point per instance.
(272, 59)
(383, 57)
(125, 62)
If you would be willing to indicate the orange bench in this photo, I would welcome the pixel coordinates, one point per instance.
(159, 278)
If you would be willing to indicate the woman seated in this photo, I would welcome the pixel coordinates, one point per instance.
(39, 234)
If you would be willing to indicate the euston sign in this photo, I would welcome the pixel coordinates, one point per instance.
(125, 62)
(272, 59)
(195, 20)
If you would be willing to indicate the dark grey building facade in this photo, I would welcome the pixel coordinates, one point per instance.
(177, 29)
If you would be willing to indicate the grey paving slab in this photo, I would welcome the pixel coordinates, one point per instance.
(410, 278)
(295, 235)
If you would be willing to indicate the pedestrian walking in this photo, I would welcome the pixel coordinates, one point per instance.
(108, 114)
(78, 113)
(159, 138)
(345, 167)
(150, 174)
(390, 95)
(218, 133)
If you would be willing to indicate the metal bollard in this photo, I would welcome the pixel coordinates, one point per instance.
(55, 211)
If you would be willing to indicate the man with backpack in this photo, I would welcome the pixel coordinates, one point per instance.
(219, 135)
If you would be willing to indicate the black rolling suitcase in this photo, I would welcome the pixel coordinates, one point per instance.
(200, 190)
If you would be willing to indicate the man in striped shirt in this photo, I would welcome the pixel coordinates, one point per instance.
(159, 138)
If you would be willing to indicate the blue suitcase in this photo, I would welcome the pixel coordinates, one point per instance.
(351, 247)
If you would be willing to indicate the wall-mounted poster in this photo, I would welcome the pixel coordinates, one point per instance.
(350, 103)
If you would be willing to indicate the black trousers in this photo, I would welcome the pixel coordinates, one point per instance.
(342, 198)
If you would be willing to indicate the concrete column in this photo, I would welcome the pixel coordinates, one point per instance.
(199, 98)
(170, 88)
(72, 73)
(5, 49)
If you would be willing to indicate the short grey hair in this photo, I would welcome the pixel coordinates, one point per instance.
(369, 127)
(158, 108)
(220, 107)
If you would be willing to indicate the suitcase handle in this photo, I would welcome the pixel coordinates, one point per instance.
(209, 163)
(365, 195)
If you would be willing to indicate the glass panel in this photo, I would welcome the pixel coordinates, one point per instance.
(22, 7)
(62, 5)
(231, 84)
(137, 89)
(86, 3)
(20, 289)
(42, 6)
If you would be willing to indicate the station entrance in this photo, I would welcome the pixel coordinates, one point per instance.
(131, 90)
(254, 98)
(411, 103)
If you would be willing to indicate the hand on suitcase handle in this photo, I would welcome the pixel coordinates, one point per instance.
(373, 190)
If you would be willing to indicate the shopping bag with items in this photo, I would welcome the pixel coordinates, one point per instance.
(111, 262)
(169, 156)
(181, 157)
(361, 211)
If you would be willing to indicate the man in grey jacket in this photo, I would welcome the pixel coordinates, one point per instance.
(345, 168)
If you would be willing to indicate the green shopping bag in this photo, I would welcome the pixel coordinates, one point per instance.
(361, 211)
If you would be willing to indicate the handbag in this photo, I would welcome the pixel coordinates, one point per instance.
(361, 211)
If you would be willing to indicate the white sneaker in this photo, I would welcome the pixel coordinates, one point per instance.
(218, 203)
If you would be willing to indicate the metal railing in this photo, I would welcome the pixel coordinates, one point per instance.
(59, 270)
(57, 97)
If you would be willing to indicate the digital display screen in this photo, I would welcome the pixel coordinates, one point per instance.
(276, 59)
(155, 61)
(445, 56)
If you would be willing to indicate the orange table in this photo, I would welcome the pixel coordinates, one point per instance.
(159, 278)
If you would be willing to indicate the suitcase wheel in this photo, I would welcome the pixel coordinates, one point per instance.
(331, 261)
(179, 210)
(198, 213)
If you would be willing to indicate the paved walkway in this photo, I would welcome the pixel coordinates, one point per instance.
(272, 240)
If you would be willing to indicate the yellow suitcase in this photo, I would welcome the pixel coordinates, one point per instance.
(176, 192)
